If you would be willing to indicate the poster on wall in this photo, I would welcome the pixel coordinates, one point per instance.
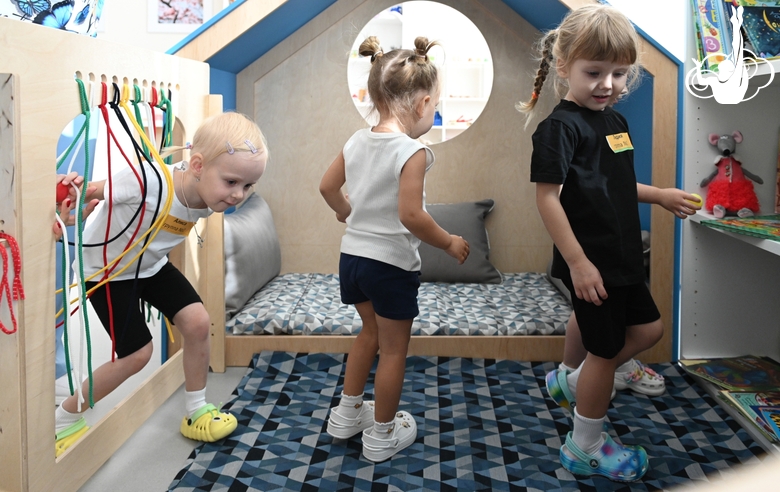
(80, 16)
(177, 15)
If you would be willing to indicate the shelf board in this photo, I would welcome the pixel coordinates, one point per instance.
(757, 75)
(765, 244)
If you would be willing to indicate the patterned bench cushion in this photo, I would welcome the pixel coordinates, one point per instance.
(310, 304)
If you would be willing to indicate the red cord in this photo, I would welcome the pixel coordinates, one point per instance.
(18, 290)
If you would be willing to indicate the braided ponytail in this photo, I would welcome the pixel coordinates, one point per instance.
(546, 45)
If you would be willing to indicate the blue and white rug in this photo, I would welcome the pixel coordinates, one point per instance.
(482, 425)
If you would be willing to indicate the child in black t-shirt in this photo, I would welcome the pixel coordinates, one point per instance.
(587, 194)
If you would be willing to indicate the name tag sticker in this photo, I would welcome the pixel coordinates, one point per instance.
(619, 142)
(175, 225)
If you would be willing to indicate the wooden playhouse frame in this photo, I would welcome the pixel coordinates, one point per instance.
(39, 96)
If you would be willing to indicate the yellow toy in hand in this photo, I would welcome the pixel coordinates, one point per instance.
(698, 199)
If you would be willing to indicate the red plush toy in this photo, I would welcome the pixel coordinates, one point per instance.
(730, 192)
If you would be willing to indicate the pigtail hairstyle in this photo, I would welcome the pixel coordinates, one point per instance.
(545, 63)
(396, 77)
(593, 32)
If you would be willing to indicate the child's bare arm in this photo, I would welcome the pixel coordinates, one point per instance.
(679, 202)
(330, 188)
(416, 219)
(586, 279)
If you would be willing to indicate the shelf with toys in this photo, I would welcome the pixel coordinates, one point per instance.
(729, 282)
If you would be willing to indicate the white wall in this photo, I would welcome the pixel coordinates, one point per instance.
(125, 21)
(665, 22)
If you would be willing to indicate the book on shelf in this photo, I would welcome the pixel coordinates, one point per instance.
(713, 32)
(761, 25)
(749, 404)
(762, 226)
(772, 417)
(744, 373)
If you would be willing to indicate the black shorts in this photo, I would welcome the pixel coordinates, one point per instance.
(168, 290)
(391, 290)
(603, 328)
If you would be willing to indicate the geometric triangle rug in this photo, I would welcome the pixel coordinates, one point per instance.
(482, 424)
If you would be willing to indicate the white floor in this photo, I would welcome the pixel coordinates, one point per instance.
(150, 459)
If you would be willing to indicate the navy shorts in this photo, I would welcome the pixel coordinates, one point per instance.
(168, 290)
(603, 328)
(391, 290)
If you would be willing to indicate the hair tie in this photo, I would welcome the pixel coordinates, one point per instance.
(230, 149)
(534, 95)
(376, 55)
(188, 146)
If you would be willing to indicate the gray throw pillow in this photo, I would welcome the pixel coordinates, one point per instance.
(465, 219)
(252, 253)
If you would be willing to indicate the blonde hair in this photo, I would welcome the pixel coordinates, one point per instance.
(592, 32)
(396, 77)
(222, 132)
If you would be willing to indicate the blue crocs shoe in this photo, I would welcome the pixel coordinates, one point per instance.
(614, 461)
(558, 389)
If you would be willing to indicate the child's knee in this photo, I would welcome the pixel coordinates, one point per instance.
(196, 325)
(656, 331)
(138, 359)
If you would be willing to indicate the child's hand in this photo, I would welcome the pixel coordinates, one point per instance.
(679, 202)
(458, 248)
(587, 282)
(68, 204)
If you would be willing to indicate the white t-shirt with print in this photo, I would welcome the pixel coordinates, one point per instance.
(126, 197)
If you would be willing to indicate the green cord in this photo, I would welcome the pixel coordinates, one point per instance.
(137, 93)
(79, 217)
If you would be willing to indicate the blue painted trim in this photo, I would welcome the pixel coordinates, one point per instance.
(679, 223)
(544, 19)
(260, 38)
(224, 83)
(194, 34)
(163, 342)
(269, 32)
(640, 120)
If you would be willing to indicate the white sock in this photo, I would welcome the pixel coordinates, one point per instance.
(572, 379)
(564, 367)
(349, 406)
(383, 430)
(194, 400)
(63, 418)
(587, 433)
(627, 367)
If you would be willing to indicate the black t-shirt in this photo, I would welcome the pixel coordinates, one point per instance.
(574, 147)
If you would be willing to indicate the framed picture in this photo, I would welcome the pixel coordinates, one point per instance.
(177, 15)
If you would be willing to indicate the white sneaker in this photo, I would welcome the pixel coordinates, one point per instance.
(400, 436)
(641, 379)
(342, 427)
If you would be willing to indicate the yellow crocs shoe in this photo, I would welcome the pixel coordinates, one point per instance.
(70, 434)
(208, 424)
